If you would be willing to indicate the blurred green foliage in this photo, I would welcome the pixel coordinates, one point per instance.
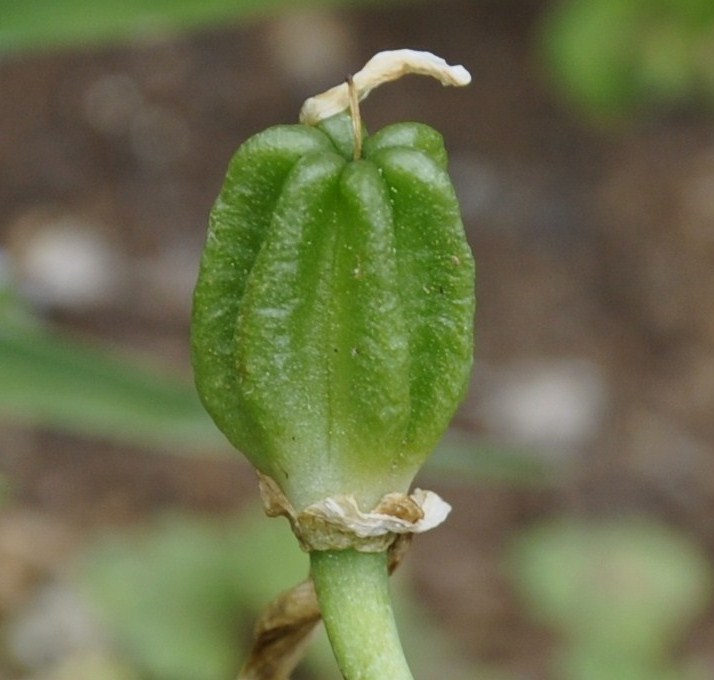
(47, 380)
(43, 24)
(478, 460)
(612, 57)
(180, 597)
(92, 666)
(621, 594)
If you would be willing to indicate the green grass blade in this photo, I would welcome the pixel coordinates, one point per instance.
(472, 460)
(50, 381)
(43, 24)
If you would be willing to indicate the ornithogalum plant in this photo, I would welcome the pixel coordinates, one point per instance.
(333, 336)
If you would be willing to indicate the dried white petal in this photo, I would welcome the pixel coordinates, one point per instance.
(434, 507)
(343, 512)
(337, 522)
(383, 67)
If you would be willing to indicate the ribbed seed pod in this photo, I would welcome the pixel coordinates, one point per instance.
(333, 315)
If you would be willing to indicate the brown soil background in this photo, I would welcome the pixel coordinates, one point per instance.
(594, 244)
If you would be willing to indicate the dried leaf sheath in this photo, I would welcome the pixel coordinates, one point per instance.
(282, 634)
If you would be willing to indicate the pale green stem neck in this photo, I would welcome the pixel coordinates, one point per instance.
(353, 592)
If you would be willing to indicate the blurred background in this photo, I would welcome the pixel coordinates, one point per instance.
(581, 466)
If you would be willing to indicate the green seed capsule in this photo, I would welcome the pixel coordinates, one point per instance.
(333, 315)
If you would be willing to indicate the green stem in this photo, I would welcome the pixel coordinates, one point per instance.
(353, 592)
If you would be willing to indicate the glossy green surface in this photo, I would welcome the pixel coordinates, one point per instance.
(333, 316)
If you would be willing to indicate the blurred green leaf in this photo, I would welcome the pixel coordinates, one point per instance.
(588, 46)
(91, 666)
(611, 57)
(50, 381)
(430, 649)
(471, 459)
(181, 596)
(43, 24)
(620, 592)
(174, 597)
